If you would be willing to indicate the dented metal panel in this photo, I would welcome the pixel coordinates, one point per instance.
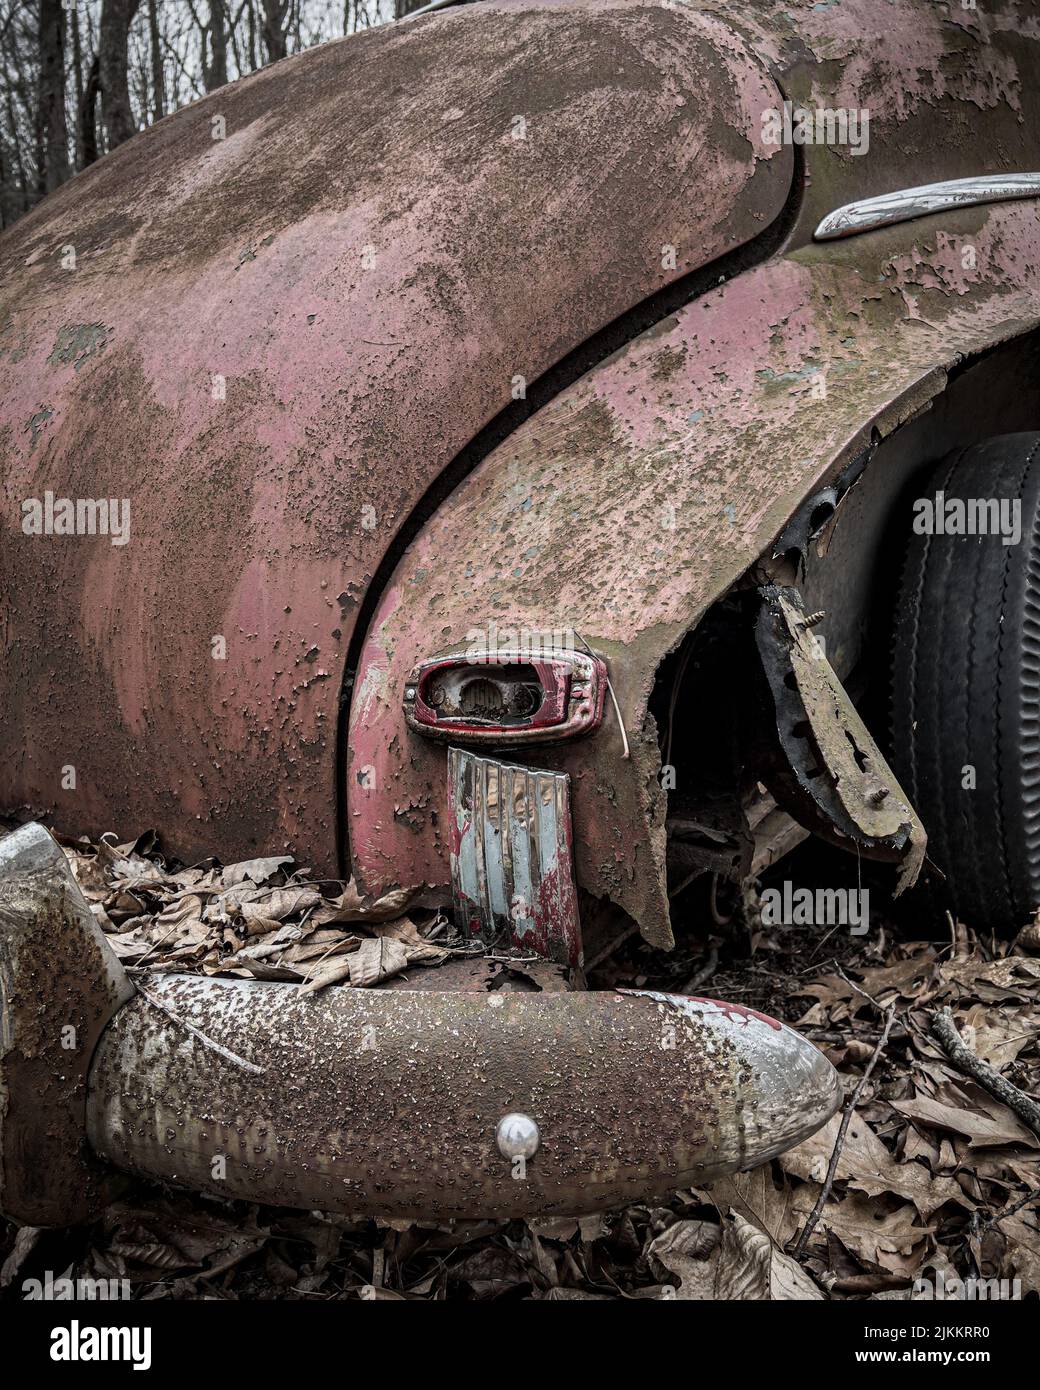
(511, 858)
(274, 342)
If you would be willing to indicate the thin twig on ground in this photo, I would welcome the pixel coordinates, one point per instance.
(702, 975)
(1032, 1196)
(846, 1120)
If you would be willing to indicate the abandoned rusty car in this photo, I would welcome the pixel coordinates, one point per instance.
(542, 515)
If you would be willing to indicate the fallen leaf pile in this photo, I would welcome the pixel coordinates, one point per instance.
(259, 918)
(936, 1180)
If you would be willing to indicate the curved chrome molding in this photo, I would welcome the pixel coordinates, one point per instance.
(864, 216)
(429, 8)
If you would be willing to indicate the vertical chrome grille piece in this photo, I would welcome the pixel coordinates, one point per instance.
(511, 856)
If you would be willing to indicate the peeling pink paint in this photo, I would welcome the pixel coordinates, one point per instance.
(304, 324)
(608, 465)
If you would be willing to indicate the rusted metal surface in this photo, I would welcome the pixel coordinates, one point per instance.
(388, 1103)
(830, 771)
(269, 322)
(663, 475)
(512, 868)
(951, 92)
(668, 470)
(60, 984)
(350, 381)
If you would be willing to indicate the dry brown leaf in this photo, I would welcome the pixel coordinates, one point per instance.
(906, 977)
(256, 870)
(1023, 1253)
(25, 1241)
(315, 945)
(329, 972)
(187, 907)
(868, 1166)
(407, 933)
(1014, 975)
(350, 906)
(756, 1197)
(554, 1227)
(260, 948)
(376, 960)
(268, 970)
(751, 1267)
(995, 1126)
(129, 945)
(865, 1227)
(996, 1036)
(687, 1254)
(261, 905)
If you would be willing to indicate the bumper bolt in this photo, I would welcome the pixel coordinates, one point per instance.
(517, 1136)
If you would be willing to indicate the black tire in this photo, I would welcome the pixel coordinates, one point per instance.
(965, 688)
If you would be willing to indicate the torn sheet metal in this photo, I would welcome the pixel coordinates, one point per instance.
(816, 513)
(831, 775)
(512, 871)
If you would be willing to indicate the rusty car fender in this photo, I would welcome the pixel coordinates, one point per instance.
(271, 322)
(638, 497)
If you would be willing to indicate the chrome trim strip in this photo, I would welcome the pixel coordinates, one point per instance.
(428, 9)
(907, 203)
(511, 858)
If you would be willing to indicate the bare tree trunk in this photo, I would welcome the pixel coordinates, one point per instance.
(275, 28)
(23, 182)
(77, 84)
(216, 75)
(116, 113)
(234, 20)
(403, 7)
(88, 113)
(54, 143)
(253, 60)
(158, 85)
(5, 189)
